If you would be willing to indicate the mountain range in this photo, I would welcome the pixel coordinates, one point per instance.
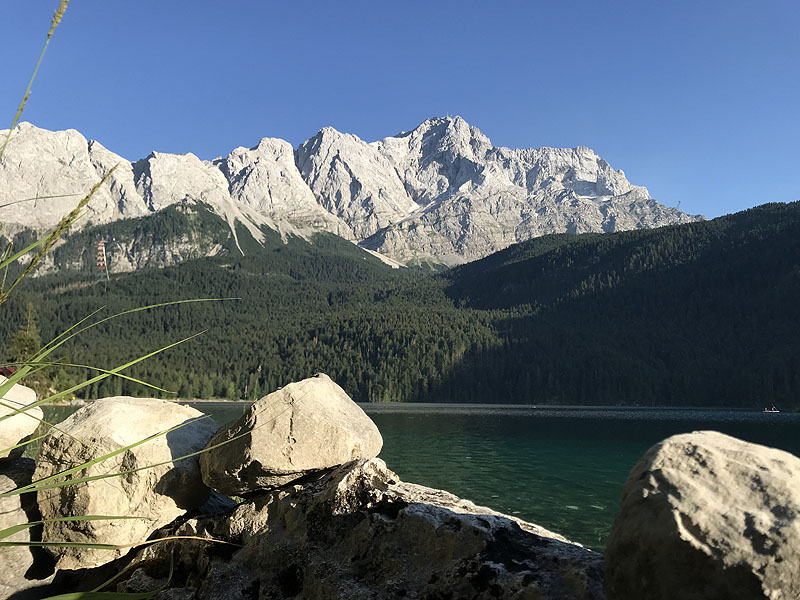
(440, 194)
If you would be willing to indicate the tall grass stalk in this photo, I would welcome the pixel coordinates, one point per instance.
(62, 7)
(41, 247)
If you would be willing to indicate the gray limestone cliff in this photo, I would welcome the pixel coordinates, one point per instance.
(440, 193)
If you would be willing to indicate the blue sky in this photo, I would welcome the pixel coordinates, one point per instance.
(698, 101)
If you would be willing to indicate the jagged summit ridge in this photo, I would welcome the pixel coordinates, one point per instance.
(353, 181)
(439, 192)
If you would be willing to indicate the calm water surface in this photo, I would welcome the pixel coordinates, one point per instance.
(562, 468)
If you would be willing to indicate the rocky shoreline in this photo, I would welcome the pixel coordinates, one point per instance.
(290, 501)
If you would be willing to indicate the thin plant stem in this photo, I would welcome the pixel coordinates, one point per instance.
(62, 7)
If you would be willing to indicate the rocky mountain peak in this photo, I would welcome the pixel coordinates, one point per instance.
(440, 192)
(354, 181)
(440, 138)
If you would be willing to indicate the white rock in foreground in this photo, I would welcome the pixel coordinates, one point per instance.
(705, 515)
(157, 495)
(15, 429)
(301, 428)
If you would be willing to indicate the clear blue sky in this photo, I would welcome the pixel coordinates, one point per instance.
(697, 100)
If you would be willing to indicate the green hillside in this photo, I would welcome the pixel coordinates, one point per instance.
(697, 314)
(701, 314)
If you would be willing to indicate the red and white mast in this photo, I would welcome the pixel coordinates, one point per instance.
(101, 258)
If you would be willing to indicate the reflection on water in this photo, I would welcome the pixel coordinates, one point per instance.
(560, 467)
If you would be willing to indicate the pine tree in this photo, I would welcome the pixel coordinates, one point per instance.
(23, 345)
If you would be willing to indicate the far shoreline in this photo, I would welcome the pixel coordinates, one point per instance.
(455, 407)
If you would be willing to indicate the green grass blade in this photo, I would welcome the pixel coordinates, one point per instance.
(86, 479)
(46, 483)
(88, 545)
(56, 20)
(24, 411)
(67, 482)
(50, 347)
(7, 261)
(11, 381)
(9, 531)
(58, 341)
(75, 326)
(105, 596)
(97, 546)
(131, 565)
(135, 310)
(38, 198)
(30, 441)
(102, 376)
(64, 224)
(99, 370)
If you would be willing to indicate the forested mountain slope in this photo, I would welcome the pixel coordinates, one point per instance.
(701, 314)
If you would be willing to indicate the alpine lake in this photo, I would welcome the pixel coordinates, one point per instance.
(560, 467)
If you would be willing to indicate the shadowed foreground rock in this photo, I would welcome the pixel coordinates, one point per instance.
(707, 516)
(357, 532)
(301, 428)
(16, 562)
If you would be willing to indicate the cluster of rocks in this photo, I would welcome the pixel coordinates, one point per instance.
(289, 501)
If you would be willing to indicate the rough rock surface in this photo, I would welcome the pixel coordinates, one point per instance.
(705, 515)
(266, 179)
(15, 429)
(439, 192)
(16, 561)
(357, 532)
(154, 495)
(303, 427)
(59, 168)
(479, 198)
(354, 181)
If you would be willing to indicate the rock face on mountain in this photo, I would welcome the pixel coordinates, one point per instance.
(266, 179)
(705, 515)
(52, 170)
(441, 192)
(354, 181)
(479, 198)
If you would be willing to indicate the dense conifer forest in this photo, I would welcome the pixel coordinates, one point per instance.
(704, 314)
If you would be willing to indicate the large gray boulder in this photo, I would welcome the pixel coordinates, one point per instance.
(15, 429)
(705, 515)
(301, 428)
(358, 532)
(155, 494)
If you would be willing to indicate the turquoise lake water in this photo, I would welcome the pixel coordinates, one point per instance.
(560, 467)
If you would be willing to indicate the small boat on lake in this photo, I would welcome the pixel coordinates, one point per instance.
(771, 410)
